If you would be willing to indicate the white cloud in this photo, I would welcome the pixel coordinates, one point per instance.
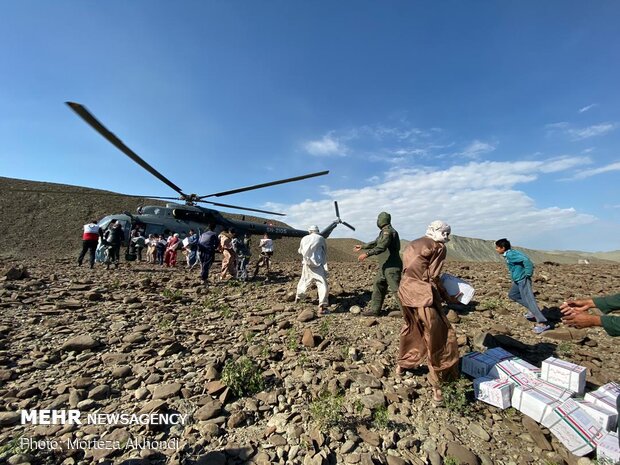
(577, 133)
(478, 199)
(476, 149)
(327, 146)
(587, 107)
(591, 131)
(594, 171)
(559, 125)
(554, 165)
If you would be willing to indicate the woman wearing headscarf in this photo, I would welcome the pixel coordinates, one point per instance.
(170, 256)
(426, 333)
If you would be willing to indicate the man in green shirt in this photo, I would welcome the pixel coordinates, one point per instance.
(387, 249)
(576, 313)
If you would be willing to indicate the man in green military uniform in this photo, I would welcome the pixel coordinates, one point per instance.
(387, 248)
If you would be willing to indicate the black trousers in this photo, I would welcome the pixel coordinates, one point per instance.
(86, 246)
(206, 260)
(115, 251)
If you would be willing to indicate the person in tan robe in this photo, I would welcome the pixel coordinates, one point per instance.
(229, 257)
(426, 333)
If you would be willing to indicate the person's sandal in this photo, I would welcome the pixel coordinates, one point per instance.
(437, 400)
(322, 311)
(541, 329)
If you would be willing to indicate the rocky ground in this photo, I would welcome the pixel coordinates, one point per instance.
(143, 339)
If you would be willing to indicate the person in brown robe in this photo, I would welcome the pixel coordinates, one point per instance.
(426, 333)
(229, 257)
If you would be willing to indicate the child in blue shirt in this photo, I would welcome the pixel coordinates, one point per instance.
(521, 270)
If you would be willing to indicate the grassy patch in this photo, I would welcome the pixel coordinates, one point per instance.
(292, 339)
(564, 348)
(172, 294)
(490, 304)
(326, 411)
(164, 323)
(456, 396)
(324, 326)
(380, 417)
(13, 447)
(243, 377)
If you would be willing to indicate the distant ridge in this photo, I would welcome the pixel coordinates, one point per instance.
(479, 250)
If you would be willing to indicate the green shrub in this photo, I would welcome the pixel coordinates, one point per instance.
(326, 411)
(172, 294)
(324, 326)
(455, 395)
(243, 377)
(564, 348)
(490, 304)
(292, 339)
(380, 417)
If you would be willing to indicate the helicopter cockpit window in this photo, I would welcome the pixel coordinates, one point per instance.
(104, 222)
(151, 210)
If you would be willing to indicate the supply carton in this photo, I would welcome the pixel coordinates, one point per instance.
(574, 428)
(564, 374)
(606, 418)
(493, 391)
(606, 396)
(456, 286)
(608, 451)
(532, 402)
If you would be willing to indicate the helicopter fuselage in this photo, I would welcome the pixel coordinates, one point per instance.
(176, 218)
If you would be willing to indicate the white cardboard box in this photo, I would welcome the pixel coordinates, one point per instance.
(508, 368)
(603, 416)
(606, 396)
(497, 392)
(455, 286)
(564, 374)
(532, 402)
(607, 450)
(574, 428)
(478, 364)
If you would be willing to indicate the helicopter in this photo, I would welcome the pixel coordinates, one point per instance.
(176, 217)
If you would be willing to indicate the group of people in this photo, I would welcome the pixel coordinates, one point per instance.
(414, 280)
(105, 245)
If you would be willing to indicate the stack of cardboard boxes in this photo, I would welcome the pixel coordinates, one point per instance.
(547, 395)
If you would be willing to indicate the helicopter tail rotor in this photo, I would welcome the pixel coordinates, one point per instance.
(340, 220)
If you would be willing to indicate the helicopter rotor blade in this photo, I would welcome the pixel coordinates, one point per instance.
(266, 184)
(337, 210)
(54, 191)
(348, 225)
(241, 208)
(111, 137)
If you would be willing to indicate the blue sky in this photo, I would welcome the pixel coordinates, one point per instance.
(501, 119)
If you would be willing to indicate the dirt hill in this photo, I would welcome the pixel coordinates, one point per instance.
(38, 220)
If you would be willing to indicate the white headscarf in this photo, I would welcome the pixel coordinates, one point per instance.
(438, 231)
